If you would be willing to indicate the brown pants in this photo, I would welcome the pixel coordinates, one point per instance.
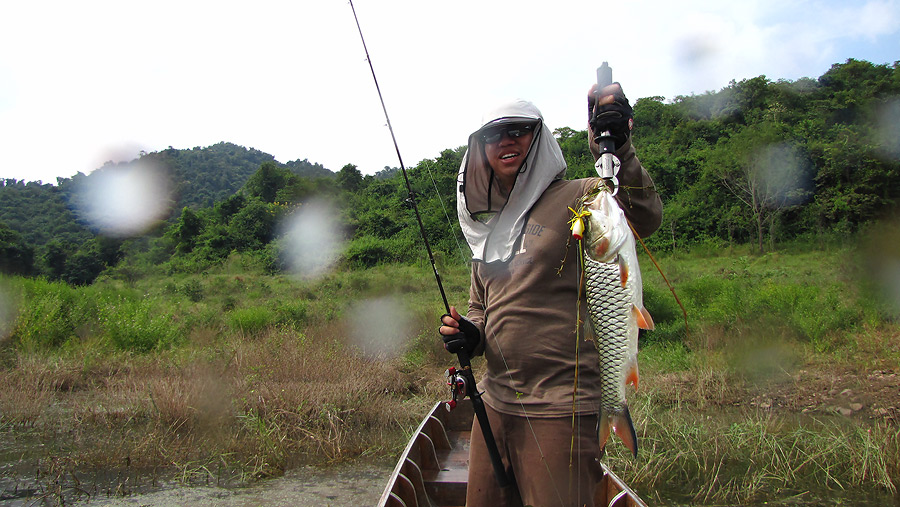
(536, 454)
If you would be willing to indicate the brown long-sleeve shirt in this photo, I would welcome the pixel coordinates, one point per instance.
(527, 307)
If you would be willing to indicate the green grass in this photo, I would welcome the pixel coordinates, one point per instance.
(810, 296)
(753, 322)
(234, 366)
(751, 457)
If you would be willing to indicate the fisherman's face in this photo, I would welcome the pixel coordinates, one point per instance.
(505, 147)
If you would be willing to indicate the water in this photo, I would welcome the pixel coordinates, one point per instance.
(337, 486)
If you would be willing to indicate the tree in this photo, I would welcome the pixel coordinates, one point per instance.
(574, 145)
(54, 258)
(226, 209)
(253, 226)
(16, 257)
(265, 183)
(764, 172)
(186, 230)
(83, 267)
(350, 178)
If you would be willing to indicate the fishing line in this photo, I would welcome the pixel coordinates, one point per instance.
(462, 254)
(525, 414)
(411, 198)
(463, 355)
(502, 479)
(687, 331)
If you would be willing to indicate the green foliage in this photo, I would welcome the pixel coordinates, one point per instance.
(39, 212)
(804, 296)
(574, 145)
(292, 313)
(369, 251)
(192, 289)
(137, 325)
(668, 356)
(185, 230)
(49, 315)
(666, 313)
(54, 314)
(251, 320)
(252, 227)
(205, 176)
(16, 257)
(716, 161)
(349, 178)
(265, 183)
(760, 160)
(202, 177)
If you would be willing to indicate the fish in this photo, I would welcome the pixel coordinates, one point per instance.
(615, 307)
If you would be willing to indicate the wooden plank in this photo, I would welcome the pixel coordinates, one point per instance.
(393, 501)
(411, 452)
(412, 471)
(615, 485)
(434, 428)
(406, 491)
(428, 459)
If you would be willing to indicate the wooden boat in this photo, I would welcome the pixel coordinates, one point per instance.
(433, 469)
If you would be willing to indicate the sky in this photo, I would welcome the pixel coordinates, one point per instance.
(82, 83)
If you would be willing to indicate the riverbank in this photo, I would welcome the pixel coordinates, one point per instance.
(775, 391)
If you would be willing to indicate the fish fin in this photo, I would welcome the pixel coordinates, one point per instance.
(623, 270)
(603, 429)
(589, 335)
(624, 428)
(648, 319)
(644, 320)
(631, 376)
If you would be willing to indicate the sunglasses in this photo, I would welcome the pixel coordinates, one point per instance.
(513, 131)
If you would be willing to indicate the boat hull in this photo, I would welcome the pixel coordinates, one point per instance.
(433, 469)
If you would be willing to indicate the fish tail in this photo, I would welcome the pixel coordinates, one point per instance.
(603, 428)
(621, 425)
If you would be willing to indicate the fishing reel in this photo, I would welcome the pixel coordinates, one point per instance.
(459, 387)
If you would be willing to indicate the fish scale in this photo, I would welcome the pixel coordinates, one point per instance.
(613, 291)
(608, 308)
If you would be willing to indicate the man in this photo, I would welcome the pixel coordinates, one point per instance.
(513, 206)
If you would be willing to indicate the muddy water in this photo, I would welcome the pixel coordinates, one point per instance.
(29, 478)
(350, 485)
(339, 486)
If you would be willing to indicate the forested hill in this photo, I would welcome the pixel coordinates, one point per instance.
(759, 161)
(765, 161)
(204, 176)
(37, 214)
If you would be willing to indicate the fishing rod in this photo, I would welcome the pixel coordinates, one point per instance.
(462, 382)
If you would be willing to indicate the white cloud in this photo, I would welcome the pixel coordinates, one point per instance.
(90, 79)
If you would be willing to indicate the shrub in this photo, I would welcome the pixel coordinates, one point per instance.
(292, 313)
(369, 251)
(137, 325)
(50, 314)
(192, 289)
(666, 314)
(366, 252)
(251, 320)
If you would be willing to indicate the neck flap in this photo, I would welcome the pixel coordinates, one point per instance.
(492, 217)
